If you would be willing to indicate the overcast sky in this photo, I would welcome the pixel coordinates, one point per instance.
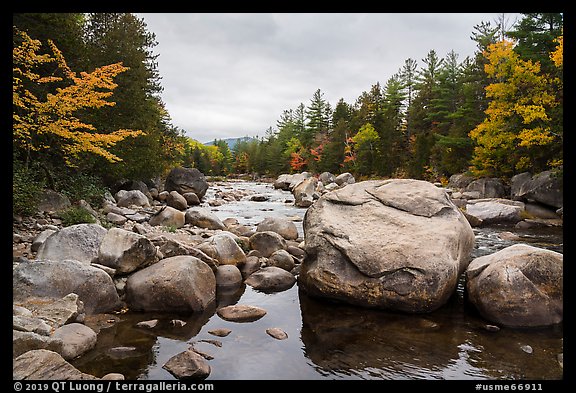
(232, 75)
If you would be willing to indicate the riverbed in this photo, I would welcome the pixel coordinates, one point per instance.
(330, 341)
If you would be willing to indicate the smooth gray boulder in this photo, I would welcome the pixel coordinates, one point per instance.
(77, 339)
(487, 187)
(126, 251)
(168, 217)
(185, 180)
(518, 286)
(491, 211)
(266, 242)
(271, 279)
(282, 226)
(228, 276)
(176, 200)
(344, 179)
(52, 201)
(177, 284)
(224, 248)
(203, 218)
(545, 187)
(80, 242)
(188, 365)
(397, 244)
(43, 364)
(128, 198)
(56, 279)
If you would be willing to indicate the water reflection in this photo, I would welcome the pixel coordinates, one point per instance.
(451, 343)
(333, 341)
(124, 348)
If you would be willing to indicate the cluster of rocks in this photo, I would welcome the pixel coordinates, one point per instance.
(397, 244)
(160, 256)
(307, 188)
(527, 202)
(403, 245)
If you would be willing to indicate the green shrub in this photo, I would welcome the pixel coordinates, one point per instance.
(76, 215)
(78, 186)
(26, 191)
(170, 228)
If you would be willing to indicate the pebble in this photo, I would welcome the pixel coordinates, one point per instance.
(526, 348)
(148, 324)
(241, 313)
(220, 332)
(277, 333)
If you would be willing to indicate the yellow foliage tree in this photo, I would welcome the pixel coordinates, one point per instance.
(51, 122)
(558, 55)
(516, 133)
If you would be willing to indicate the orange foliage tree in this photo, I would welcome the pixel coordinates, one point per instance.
(53, 122)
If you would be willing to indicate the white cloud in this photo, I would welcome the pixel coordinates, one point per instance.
(228, 75)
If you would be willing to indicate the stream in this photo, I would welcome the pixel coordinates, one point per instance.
(330, 341)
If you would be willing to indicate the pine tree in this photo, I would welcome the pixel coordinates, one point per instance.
(123, 37)
(408, 79)
(422, 119)
(318, 119)
(535, 35)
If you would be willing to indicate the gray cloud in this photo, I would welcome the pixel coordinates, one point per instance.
(229, 75)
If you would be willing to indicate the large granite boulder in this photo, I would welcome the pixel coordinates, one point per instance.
(55, 279)
(304, 192)
(80, 242)
(52, 201)
(486, 187)
(126, 251)
(518, 286)
(203, 218)
(391, 244)
(185, 180)
(168, 216)
(489, 211)
(224, 248)
(127, 198)
(42, 364)
(545, 187)
(178, 284)
(281, 225)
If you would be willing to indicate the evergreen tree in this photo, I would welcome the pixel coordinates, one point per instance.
(422, 119)
(408, 79)
(535, 35)
(63, 29)
(318, 119)
(333, 153)
(121, 37)
(391, 134)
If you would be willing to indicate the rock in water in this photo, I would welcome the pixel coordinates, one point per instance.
(188, 365)
(277, 333)
(518, 286)
(397, 244)
(181, 283)
(241, 313)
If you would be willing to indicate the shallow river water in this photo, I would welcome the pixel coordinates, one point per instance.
(332, 341)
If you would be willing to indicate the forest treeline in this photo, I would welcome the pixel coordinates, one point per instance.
(88, 111)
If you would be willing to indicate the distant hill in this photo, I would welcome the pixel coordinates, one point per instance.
(231, 141)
